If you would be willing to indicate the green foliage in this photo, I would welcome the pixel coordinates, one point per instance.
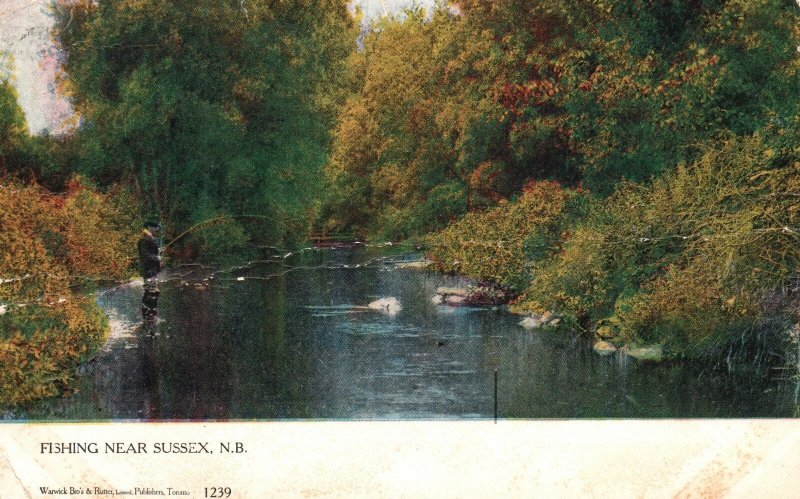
(680, 118)
(499, 244)
(12, 125)
(628, 161)
(389, 171)
(593, 92)
(644, 105)
(691, 259)
(21, 155)
(209, 107)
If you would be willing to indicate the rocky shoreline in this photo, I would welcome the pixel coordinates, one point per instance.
(606, 339)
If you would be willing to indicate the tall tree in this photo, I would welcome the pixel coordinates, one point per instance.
(458, 112)
(15, 142)
(211, 107)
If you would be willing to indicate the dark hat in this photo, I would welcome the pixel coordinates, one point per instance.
(152, 224)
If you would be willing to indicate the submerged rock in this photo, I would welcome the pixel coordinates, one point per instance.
(390, 305)
(604, 348)
(536, 320)
(483, 295)
(652, 353)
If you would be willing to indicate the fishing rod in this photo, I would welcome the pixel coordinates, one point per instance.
(213, 221)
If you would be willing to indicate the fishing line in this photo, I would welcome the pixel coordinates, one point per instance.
(284, 253)
(214, 221)
(186, 278)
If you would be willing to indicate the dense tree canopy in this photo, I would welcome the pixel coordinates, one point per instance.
(21, 154)
(209, 107)
(456, 112)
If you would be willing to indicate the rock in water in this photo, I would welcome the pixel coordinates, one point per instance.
(416, 265)
(652, 353)
(605, 332)
(530, 322)
(455, 300)
(388, 306)
(446, 291)
(604, 348)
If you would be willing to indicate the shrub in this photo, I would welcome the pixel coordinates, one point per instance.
(49, 244)
(496, 244)
(575, 283)
(690, 259)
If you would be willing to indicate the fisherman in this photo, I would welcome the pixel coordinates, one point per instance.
(150, 264)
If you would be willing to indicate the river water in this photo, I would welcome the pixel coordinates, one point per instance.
(291, 338)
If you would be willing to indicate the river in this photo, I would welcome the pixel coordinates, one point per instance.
(291, 338)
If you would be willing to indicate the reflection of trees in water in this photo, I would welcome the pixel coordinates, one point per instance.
(254, 349)
(269, 376)
(194, 355)
(151, 406)
(127, 377)
(172, 368)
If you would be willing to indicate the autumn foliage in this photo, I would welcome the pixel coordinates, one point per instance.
(499, 244)
(54, 247)
(670, 127)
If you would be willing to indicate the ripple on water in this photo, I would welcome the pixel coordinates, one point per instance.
(380, 328)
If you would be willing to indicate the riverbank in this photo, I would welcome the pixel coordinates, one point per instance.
(45, 347)
(58, 249)
(692, 264)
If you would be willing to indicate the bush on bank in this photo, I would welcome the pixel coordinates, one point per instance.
(501, 243)
(55, 247)
(695, 260)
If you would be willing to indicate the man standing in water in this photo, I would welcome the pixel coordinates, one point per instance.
(150, 264)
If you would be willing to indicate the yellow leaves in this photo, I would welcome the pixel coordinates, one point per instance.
(43, 239)
(41, 364)
(490, 245)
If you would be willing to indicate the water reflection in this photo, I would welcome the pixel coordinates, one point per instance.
(302, 344)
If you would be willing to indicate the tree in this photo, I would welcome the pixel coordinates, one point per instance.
(15, 142)
(210, 107)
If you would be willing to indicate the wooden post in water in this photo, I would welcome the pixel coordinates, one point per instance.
(495, 396)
